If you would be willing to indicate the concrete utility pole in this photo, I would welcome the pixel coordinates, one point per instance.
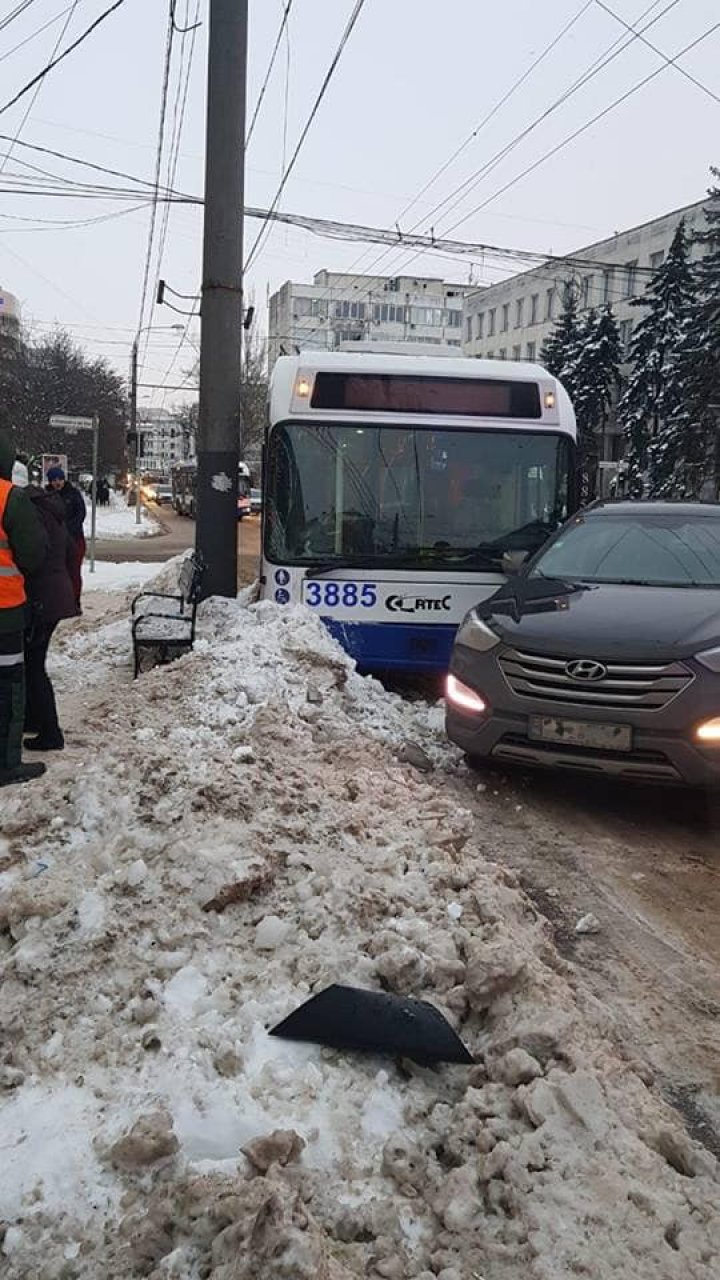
(221, 306)
(134, 424)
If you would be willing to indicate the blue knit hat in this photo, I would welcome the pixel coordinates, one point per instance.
(55, 473)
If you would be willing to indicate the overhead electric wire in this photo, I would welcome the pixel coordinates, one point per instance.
(61, 57)
(623, 97)
(38, 32)
(671, 62)
(268, 73)
(88, 164)
(38, 88)
(158, 164)
(179, 111)
(490, 115)
(17, 12)
(609, 54)
(357, 9)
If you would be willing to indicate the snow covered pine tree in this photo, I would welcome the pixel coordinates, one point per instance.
(595, 378)
(668, 301)
(585, 356)
(685, 455)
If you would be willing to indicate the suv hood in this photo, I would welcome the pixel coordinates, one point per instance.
(605, 621)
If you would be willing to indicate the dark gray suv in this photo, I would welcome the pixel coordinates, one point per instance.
(603, 654)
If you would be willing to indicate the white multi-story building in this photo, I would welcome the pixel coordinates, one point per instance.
(9, 317)
(512, 319)
(163, 441)
(339, 307)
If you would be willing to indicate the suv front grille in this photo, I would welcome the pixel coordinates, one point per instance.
(647, 686)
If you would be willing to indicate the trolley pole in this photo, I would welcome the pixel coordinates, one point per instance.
(221, 305)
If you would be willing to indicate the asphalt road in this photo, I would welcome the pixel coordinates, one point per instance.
(179, 534)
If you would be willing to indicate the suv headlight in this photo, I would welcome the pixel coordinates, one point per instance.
(709, 659)
(475, 634)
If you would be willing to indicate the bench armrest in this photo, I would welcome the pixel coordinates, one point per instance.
(156, 595)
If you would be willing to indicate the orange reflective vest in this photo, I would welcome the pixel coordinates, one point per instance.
(12, 583)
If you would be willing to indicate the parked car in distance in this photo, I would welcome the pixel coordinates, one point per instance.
(256, 501)
(602, 655)
(163, 494)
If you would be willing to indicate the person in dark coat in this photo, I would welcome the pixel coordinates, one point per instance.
(51, 596)
(75, 512)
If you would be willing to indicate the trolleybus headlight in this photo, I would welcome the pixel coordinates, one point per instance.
(475, 634)
(302, 386)
(462, 696)
(709, 732)
(549, 399)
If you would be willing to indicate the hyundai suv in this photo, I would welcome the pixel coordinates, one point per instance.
(603, 654)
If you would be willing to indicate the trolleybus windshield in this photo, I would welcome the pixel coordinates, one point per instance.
(379, 495)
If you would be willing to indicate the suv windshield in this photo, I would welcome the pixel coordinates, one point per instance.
(376, 495)
(647, 550)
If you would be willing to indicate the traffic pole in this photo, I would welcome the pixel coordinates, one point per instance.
(93, 518)
(221, 299)
(134, 425)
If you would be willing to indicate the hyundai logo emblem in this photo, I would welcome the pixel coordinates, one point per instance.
(585, 669)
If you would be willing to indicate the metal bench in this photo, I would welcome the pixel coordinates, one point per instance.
(170, 632)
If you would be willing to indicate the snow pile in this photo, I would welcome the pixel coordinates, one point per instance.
(244, 835)
(117, 520)
(118, 577)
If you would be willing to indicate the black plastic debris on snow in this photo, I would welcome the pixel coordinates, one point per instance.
(375, 1022)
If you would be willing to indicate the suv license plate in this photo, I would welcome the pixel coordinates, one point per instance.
(581, 733)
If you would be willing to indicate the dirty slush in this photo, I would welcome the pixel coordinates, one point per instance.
(249, 828)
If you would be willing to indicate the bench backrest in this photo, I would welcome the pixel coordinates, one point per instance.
(190, 579)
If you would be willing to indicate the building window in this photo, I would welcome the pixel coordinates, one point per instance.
(530, 352)
(388, 313)
(607, 284)
(319, 309)
(519, 313)
(517, 352)
(502, 353)
(491, 322)
(586, 287)
(490, 355)
(468, 329)
(549, 304)
(626, 328)
(630, 274)
(534, 308)
(480, 326)
(302, 307)
(657, 259)
(506, 317)
(454, 319)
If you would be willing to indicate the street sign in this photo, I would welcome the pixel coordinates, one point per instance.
(64, 422)
(71, 425)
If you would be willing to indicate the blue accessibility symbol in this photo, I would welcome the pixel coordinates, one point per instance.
(282, 577)
(282, 596)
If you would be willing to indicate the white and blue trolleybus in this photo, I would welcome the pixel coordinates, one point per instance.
(399, 489)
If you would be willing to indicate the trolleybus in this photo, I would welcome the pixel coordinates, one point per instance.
(399, 490)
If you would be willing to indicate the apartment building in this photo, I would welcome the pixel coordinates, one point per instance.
(163, 442)
(339, 307)
(511, 320)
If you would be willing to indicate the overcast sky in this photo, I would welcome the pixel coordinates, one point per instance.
(416, 78)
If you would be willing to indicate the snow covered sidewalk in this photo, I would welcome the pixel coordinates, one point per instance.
(118, 521)
(240, 832)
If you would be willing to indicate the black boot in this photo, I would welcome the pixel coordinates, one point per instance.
(42, 743)
(21, 773)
